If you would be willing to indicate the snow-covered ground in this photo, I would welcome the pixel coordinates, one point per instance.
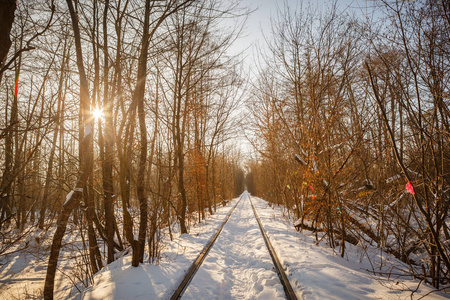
(23, 267)
(317, 272)
(237, 267)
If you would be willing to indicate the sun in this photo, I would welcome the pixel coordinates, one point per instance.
(97, 113)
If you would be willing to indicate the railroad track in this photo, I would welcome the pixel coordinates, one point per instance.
(290, 294)
(201, 257)
(194, 267)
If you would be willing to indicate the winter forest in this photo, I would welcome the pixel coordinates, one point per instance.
(129, 129)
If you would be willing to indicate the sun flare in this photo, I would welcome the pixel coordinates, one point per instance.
(97, 113)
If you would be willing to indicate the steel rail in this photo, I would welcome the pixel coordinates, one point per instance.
(290, 294)
(197, 263)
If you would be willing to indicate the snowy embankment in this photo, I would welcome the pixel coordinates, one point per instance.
(23, 267)
(237, 267)
(318, 272)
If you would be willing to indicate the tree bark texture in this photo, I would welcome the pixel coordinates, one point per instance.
(7, 9)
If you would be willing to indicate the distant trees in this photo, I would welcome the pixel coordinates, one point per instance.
(200, 89)
(345, 116)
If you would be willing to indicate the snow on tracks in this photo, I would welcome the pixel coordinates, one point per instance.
(290, 294)
(197, 263)
(239, 265)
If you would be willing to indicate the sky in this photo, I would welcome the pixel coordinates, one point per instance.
(258, 25)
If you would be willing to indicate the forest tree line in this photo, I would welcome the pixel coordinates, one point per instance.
(116, 116)
(351, 125)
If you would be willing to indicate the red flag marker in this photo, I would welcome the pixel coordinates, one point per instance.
(311, 187)
(16, 87)
(409, 187)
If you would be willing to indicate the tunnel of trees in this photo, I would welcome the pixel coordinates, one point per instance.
(118, 120)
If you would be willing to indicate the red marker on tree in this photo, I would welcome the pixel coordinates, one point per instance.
(409, 187)
(16, 86)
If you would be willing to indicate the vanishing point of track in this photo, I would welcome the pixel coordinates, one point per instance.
(290, 294)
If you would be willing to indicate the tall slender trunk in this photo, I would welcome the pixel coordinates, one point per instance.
(73, 198)
(8, 175)
(107, 163)
(124, 178)
(122, 143)
(179, 142)
(152, 241)
(139, 102)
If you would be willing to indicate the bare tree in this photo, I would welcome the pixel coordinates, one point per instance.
(73, 198)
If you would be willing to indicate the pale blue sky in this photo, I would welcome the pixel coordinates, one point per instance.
(259, 22)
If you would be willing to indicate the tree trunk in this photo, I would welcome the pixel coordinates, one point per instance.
(73, 198)
(139, 100)
(8, 176)
(94, 251)
(7, 10)
(108, 155)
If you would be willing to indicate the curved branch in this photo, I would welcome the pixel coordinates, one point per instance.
(28, 46)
